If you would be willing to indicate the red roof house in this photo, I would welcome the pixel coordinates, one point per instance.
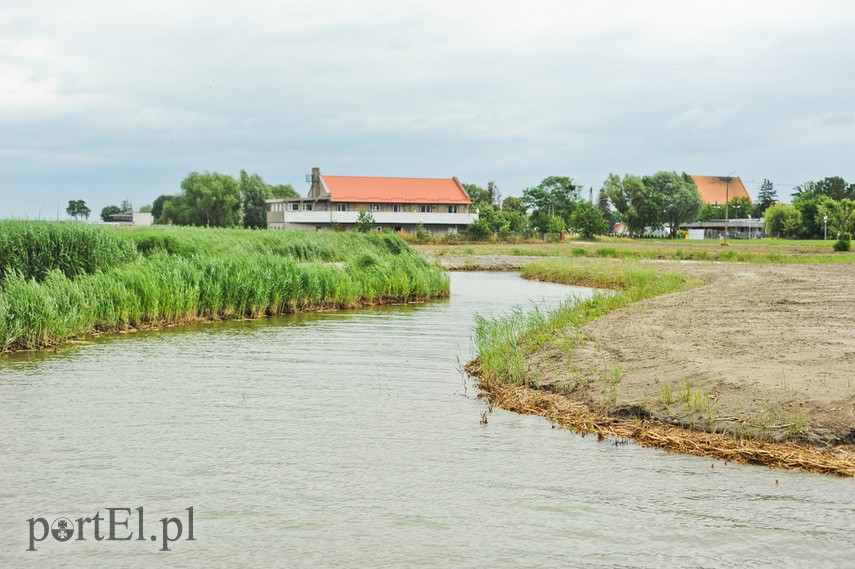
(440, 205)
(716, 190)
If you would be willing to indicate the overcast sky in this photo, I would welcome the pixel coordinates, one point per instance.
(104, 101)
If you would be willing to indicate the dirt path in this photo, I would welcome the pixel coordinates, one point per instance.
(767, 350)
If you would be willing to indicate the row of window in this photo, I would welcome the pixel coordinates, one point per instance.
(341, 206)
(399, 208)
(292, 206)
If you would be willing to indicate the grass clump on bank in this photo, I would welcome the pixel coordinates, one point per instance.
(162, 276)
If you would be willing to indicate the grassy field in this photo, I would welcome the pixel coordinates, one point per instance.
(754, 251)
(63, 280)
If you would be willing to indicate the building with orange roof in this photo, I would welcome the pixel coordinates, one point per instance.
(717, 190)
(440, 205)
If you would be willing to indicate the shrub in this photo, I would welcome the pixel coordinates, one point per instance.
(844, 243)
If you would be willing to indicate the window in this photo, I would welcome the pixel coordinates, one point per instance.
(452, 209)
(341, 207)
(398, 208)
(374, 207)
(307, 207)
(292, 206)
(425, 208)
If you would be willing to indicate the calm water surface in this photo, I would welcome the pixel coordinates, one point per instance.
(352, 440)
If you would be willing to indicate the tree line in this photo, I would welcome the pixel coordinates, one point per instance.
(211, 199)
(557, 205)
(826, 206)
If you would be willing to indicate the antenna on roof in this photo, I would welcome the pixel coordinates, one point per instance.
(308, 178)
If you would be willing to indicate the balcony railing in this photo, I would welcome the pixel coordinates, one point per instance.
(380, 217)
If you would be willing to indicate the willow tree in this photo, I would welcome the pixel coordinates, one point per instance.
(638, 205)
(681, 201)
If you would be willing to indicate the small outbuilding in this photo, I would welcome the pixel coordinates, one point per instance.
(715, 228)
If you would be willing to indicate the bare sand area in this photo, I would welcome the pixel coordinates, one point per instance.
(761, 350)
(765, 350)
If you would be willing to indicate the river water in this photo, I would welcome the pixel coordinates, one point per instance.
(351, 439)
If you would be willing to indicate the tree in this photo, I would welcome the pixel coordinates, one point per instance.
(555, 224)
(711, 211)
(77, 208)
(479, 196)
(554, 196)
(281, 191)
(109, 210)
(492, 220)
(681, 201)
(513, 203)
(145, 209)
(782, 220)
(766, 197)
(638, 205)
(587, 220)
(835, 188)
(253, 192)
(495, 194)
(806, 199)
(741, 208)
(606, 209)
(364, 221)
(479, 229)
(157, 206)
(209, 199)
(841, 215)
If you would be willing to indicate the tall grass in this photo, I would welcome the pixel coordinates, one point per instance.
(195, 273)
(504, 342)
(34, 248)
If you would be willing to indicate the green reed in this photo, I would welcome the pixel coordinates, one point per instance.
(185, 274)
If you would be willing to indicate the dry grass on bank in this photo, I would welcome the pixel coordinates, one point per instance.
(585, 420)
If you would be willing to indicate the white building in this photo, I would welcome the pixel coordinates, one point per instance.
(440, 205)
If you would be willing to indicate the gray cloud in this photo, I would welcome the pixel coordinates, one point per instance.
(106, 101)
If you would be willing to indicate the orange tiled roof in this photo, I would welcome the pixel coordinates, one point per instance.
(395, 190)
(714, 188)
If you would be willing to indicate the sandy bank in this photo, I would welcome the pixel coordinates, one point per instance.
(763, 351)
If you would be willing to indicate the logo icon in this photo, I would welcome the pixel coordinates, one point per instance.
(62, 529)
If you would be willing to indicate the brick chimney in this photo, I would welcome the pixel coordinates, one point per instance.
(315, 191)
